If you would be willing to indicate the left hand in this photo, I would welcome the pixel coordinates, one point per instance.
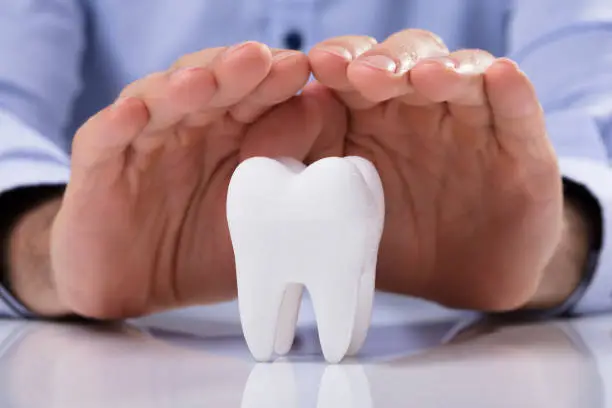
(472, 186)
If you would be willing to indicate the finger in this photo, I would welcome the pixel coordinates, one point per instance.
(330, 60)
(383, 72)
(238, 71)
(518, 117)
(330, 141)
(201, 86)
(105, 136)
(202, 58)
(153, 86)
(308, 126)
(171, 96)
(288, 130)
(458, 80)
(288, 74)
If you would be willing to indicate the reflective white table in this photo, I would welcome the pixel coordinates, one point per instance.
(417, 355)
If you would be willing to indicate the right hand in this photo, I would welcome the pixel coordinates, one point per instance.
(142, 225)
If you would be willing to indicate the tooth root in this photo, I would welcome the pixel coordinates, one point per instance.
(268, 312)
(335, 306)
(287, 320)
(363, 315)
(259, 304)
(259, 317)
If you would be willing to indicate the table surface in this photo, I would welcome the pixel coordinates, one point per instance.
(417, 355)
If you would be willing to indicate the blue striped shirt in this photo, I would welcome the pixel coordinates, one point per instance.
(62, 60)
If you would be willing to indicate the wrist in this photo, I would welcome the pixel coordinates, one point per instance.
(566, 269)
(28, 260)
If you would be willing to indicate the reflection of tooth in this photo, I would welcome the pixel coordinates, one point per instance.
(271, 386)
(344, 386)
(275, 386)
(318, 227)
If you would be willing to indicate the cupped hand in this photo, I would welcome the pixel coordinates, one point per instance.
(472, 186)
(142, 226)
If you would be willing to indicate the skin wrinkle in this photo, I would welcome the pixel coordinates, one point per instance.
(199, 189)
(371, 143)
(131, 307)
(160, 267)
(204, 186)
(408, 194)
(406, 157)
(156, 261)
(35, 246)
(159, 262)
(174, 259)
(472, 213)
(230, 161)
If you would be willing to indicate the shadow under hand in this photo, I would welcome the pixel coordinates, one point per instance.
(492, 364)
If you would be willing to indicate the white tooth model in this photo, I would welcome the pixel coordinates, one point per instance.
(317, 227)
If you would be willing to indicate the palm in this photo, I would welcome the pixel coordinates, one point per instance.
(455, 200)
(148, 242)
(142, 226)
(470, 178)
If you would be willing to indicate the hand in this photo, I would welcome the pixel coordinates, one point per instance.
(472, 186)
(142, 225)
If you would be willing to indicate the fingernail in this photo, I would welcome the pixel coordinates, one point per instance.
(337, 51)
(380, 62)
(447, 62)
(285, 54)
(510, 63)
(121, 101)
(238, 47)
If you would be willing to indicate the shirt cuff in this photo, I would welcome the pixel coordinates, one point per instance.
(596, 178)
(11, 307)
(27, 158)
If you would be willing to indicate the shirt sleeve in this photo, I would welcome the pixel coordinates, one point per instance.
(41, 44)
(565, 48)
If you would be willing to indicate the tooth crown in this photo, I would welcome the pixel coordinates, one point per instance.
(293, 226)
(286, 189)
